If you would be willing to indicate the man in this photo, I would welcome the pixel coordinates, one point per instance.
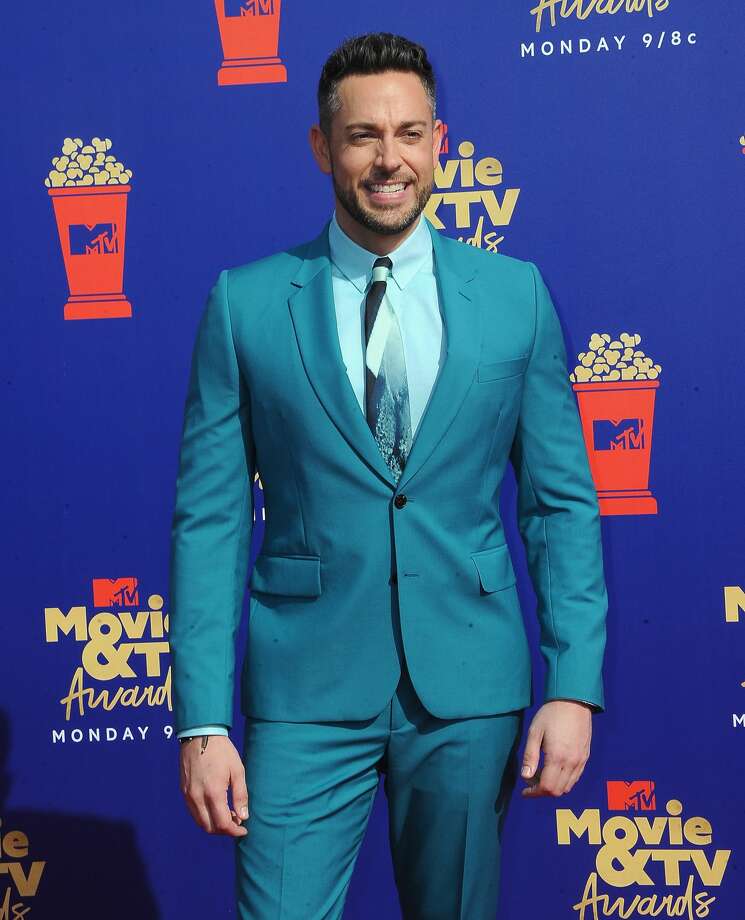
(379, 378)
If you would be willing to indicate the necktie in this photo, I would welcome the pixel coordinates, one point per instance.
(386, 387)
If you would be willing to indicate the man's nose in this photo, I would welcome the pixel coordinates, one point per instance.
(388, 158)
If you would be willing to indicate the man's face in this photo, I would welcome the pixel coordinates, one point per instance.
(382, 150)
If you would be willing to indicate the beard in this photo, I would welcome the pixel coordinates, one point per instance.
(372, 220)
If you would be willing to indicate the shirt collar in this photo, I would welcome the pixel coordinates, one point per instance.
(356, 262)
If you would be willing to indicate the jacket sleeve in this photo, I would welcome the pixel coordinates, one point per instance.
(212, 523)
(559, 517)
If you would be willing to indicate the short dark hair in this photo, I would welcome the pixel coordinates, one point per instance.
(374, 52)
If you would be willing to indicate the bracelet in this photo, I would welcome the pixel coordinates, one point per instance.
(205, 739)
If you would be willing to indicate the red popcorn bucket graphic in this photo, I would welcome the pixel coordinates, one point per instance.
(91, 222)
(249, 33)
(617, 419)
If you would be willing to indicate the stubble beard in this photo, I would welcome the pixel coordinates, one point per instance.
(369, 219)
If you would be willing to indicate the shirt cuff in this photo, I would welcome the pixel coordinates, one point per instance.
(203, 730)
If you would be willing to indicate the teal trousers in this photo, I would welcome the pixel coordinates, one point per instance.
(311, 789)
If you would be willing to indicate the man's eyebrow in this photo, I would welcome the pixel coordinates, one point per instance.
(369, 124)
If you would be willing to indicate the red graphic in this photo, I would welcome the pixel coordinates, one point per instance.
(115, 592)
(636, 796)
(249, 33)
(444, 145)
(91, 222)
(620, 470)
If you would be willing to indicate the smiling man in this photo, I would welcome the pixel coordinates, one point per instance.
(379, 378)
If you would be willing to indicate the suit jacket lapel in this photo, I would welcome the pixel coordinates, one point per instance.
(314, 320)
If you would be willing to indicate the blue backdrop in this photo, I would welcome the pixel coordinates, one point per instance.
(619, 141)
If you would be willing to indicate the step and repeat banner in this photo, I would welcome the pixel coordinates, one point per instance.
(149, 146)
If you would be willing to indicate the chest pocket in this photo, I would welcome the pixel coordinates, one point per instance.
(496, 370)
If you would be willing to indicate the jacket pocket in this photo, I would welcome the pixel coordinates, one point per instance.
(494, 567)
(507, 368)
(298, 576)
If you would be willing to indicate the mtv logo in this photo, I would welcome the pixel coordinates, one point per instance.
(87, 239)
(618, 434)
(635, 796)
(249, 7)
(115, 592)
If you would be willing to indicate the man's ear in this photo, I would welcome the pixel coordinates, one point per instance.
(320, 148)
(438, 133)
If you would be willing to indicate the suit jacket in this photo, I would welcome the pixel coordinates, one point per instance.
(269, 395)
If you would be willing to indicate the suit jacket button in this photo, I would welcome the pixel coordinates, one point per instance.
(400, 500)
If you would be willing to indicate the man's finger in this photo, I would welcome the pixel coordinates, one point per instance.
(222, 823)
(548, 775)
(556, 780)
(573, 777)
(533, 781)
(532, 753)
(551, 780)
(239, 792)
(199, 812)
(569, 778)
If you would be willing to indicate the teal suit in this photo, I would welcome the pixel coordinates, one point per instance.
(357, 572)
(268, 391)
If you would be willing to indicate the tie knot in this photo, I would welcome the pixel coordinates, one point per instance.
(381, 268)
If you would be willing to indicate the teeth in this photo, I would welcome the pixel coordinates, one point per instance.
(398, 187)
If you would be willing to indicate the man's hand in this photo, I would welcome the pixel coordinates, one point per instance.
(562, 729)
(209, 765)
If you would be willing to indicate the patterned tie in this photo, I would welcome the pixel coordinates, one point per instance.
(386, 387)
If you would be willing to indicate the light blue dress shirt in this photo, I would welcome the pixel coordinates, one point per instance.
(412, 292)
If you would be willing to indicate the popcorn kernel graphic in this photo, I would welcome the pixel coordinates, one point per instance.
(86, 164)
(616, 359)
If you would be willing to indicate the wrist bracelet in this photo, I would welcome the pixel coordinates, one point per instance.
(205, 739)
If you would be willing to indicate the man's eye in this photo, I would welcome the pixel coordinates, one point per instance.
(359, 136)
